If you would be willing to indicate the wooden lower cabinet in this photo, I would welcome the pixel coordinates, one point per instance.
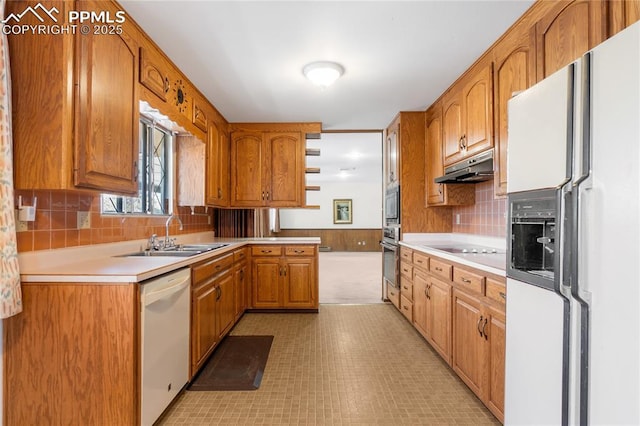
(439, 317)
(479, 349)
(241, 279)
(284, 277)
(71, 356)
(469, 349)
(212, 307)
(496, 329)
(460, 311)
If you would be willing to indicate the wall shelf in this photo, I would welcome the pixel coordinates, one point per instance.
(312, 188)
(312, 170)
(312, 152)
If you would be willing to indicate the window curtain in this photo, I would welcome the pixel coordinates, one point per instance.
(10, 292)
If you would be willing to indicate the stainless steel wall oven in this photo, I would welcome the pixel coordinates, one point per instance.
(390, 256)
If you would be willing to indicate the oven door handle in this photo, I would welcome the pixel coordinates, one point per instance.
(389, 246)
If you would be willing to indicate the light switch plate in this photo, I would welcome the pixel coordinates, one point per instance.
(84, 220)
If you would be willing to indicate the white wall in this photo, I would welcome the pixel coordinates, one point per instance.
(350, 168)
(366, 205)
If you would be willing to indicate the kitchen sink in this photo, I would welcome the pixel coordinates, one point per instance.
(183, 250)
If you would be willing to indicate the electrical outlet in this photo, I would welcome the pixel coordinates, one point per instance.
(21, 226)
(364, 243)
(457, 218)
(208, 220)
(84, 220)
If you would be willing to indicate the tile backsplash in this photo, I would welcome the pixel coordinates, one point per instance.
(486, 217)
(56, 224)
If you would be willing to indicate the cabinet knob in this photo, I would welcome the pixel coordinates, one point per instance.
(504, 296)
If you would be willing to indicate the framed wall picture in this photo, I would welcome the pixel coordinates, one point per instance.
(342, 211)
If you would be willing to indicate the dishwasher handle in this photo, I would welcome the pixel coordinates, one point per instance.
(153, 296)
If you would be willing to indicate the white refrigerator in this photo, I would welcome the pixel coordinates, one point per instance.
(573, 267)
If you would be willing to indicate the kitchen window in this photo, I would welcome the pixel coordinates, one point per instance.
(154, 178)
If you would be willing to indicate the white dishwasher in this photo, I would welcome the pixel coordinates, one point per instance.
(164, 303)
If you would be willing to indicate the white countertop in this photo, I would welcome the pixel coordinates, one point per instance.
(492, 263)
(100, 263)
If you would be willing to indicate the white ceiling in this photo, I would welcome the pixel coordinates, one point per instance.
(247, 57)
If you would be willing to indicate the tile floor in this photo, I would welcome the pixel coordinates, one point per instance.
(346, 365)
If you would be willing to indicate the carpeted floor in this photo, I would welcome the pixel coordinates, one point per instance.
(348, 364)
(350, 277)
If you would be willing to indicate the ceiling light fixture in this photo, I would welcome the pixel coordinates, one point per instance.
(323, 73)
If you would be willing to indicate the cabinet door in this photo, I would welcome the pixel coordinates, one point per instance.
(566, 32)
(420, 283)
(266, 274)
(204, 333)
(391, 153)
(240, 283)
(514, 71)
(226, 303)
(495, 330)
(107, 111)
(452, 127)
(153, 73)
(439, 317)
(224, 159)
(247, 165)
(217, 177)
(477, 104)
(299, 283)
(433, 154)
(212, 178)
(284, 176)
(468, 352)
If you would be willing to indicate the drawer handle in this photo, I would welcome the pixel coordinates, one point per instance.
(438, 269)
(504, 296)
(419, 261)
(298, 251)
(405, 308)
(218, 266)
(265, 251)
(405, 287)
(465, 280)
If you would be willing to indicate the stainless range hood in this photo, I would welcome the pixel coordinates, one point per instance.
(475, 169)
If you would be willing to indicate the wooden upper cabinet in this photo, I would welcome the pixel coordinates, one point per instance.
(267, 169)
(284, 179)
(247, 164)
(623, 13)
(567, 31)
(439, 194)
(217, 167)
(153, 73)
(75, 106)
(468, 116)
(199, 118)
(514, 70)
(391, 153)
(107, 111)
(452, 126)
(433, 155)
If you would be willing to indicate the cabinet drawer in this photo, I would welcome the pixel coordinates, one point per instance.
(406, 269)
(406, 254)
(211, 267)
(468, 280)
(440, 269)
(266, 250)
(406, 289)
(496, 290)
(406, 307)
(393, 294)
(300, 251)
(241, 254)
(421, 260)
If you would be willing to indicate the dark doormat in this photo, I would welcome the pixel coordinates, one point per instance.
(237, 364)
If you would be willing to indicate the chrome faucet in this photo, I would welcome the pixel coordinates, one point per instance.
(167, 241)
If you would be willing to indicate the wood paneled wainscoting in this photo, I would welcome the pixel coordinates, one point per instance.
(340, 239)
